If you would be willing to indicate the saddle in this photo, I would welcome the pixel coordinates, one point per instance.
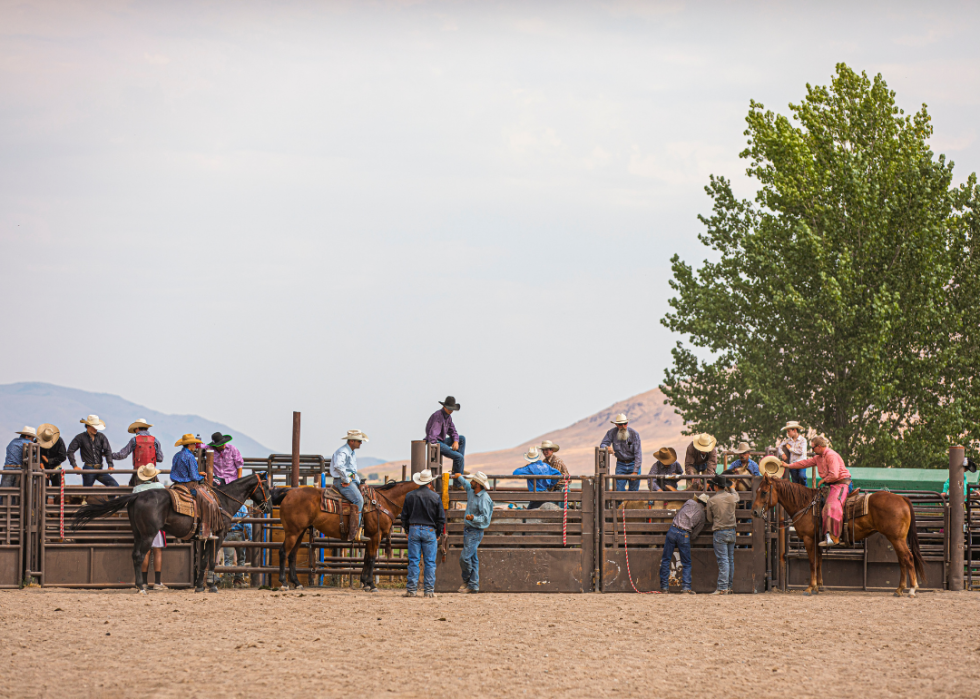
(204, 508)
(855, 507)
(332, 502)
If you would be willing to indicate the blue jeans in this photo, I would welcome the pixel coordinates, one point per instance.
(421, 541)
(353, 495)
(446, 449)
(103, 477)
(626, 470)
(10, 480)
(797, 475)
(469, 562)
(681, 540)
(724, 541)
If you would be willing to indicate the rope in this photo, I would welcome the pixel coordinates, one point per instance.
(62, 518)
(629, 573)
(564, 517)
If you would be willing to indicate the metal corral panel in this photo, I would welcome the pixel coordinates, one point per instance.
(520, 570)
(10, 567)
(109, 565)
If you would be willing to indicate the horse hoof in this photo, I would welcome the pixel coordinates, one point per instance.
(198, 589)
(213, 588)
(142, 590)
(370, 589)
(899, 594)
(297, 587)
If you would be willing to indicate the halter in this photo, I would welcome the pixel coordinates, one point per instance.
(769, 505)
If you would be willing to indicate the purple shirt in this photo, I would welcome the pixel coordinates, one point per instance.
(440, 425)
(227, 462)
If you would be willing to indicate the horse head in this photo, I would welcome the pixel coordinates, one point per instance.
(765, 497)
(260, 494)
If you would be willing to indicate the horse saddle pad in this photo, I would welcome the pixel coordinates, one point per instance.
(332, 502)
(184, 503)
(856, 506)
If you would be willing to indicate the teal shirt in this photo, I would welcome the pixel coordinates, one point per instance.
(477, 504)
(965, 484)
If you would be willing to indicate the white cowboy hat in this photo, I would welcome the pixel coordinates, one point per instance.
(742, 448)
(93, 421)
(423, 477)
(792, 424)
(532, 454)
(704, 442)
(620, 419)
(147, 472)
(548, 444)
(27, 432)
(47, 435)
(140, 423)
(703, 497)
(481, 478)
(355, 435)
(772, 466)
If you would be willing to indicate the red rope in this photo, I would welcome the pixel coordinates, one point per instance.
(564, 518)
(62, 503)
(628, 572)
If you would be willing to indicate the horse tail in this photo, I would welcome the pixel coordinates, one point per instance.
(89, 512)
(912, 538)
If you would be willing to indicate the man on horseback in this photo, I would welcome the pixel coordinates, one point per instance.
(184, 471)
(343, 468)
(144, 447)
(833, 473)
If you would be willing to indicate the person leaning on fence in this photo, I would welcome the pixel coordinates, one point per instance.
(745, 459)
(146, 479)
(441, 430)
(701, 458)
(53, 454)
(479, 510)
(720, 514)
(793, 444)
(424, 519)
(687, 524)
(15, 458)
(240, 531)
(94, 447)
(228, 461)
(549, 450)
(833, 474)
(144, 447)
(537, 467)
(343, 468)
(623, 441)
(664, 466)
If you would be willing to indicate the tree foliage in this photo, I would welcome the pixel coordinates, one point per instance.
(845, 295)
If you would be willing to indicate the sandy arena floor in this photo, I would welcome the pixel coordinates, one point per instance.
(342, 643)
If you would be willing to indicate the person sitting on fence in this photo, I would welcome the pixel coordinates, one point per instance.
(424, 519)
(665, 466)
(833, 473)
(701, 458)
(441, 430)
(15, 459)
(720, 514)
(185, 470)
(94, 446)
(146, 479)
(537, 467)
(53, 453)
(623, 441)
(549, 450)
(144, 447)
(745, 459)
(687, 524)
(793, 444)
(343, 468)
(479, 510)
(240, 531)
(228, 461)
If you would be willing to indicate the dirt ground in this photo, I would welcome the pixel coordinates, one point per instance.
(254, 643)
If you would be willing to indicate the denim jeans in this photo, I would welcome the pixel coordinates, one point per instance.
(353, 495)
(469, 562)
(681, 540)
(626, 470)
(421, 541)
(446, 449)
(797, 475)
(724, 541)
(103, 477)
(10, 480)
(231, 554)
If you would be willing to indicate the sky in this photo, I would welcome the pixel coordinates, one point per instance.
(241, 209)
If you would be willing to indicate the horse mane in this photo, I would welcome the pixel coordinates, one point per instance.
(387, 486)
(792, 496)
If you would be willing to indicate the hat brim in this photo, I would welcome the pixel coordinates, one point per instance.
(222, 442)
(457, 406)
(138, 426)
(418, 481)
(613, 422)
(705, 450)
(791, 427)
(772, 466)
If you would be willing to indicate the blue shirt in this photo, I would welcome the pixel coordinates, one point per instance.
(477, 504)
(343, 465)
(242, 526)
(15, 452)
(752, 466)
(538, 468)
(184, 468)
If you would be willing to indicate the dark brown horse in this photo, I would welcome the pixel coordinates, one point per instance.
(300, 510)
(888, 513)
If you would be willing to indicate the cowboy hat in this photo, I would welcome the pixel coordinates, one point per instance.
(147, 472)
(93, 421)
(548, 444)
(218, 439)
(481, 478)
(772, 466)
(703, 497)
(450, 403)
(665, 455)
(187, 440)
(47, 435)
(423, 477)
(355, 436)
(140, 424)
(792, 424)
(532, 454)
(704, 442)
(27, 432)
(742, 448)
(620, 419)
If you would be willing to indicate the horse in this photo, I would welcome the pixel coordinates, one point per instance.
(888, 513)
(152, 510)
(299, 512)
(740, 484)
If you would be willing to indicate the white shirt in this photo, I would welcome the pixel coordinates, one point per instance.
(343, 465)
(797, 448)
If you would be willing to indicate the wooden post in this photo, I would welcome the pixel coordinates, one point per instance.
(209, 467)
(956, 521)
(419, 457)
(294, 480)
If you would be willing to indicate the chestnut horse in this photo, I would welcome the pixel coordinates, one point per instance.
(888, 513)
(299, 510)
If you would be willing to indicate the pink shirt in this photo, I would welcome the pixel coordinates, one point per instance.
(227, 462)
(829, 465)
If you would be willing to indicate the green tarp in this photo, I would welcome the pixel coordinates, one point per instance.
(904, 478)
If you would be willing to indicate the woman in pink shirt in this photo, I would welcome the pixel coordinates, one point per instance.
(833, 473)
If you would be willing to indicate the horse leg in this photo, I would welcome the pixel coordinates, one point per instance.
(211, 549)
(140, 546)
(202, 570)
(811, 550)
(820, 586)
(288, 543)
(292, 563)
(905, 563)
(370, 553)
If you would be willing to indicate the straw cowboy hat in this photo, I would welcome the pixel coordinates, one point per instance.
(27, 432)
(450, 403)
(47, 435)
(532, 454)
(423, 477)
(187, 440)
(139, 425)
(355, 436)
(219, 440)
(742, 448)
(93, 421)
(665, 455)
(703, 497)
(548, 444)
(481, 478)
(147, 472)
(772, 466)
(620, 419)
(704, 442)
(792, 424)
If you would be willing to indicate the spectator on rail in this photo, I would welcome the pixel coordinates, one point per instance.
(15, 459)
(479, 510)
(240, 531)
(95, 447)
(793, 444)
(720, 514)
(343, 468)
(549, 450)
(424, 519)
(537, 467)
(744, 459)
(441, 430)
(687, 524)
(146, 479)
(228, 460)
(53, 453)
(665, 466)
(833, 473)
(701, 458)
(623, 441)
(144, 447)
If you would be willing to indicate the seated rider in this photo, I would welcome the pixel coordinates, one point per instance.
(343, 468)
(833, 473)
(537, 467)
(184, 471)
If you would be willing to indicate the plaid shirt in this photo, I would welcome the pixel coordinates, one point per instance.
(557, 463)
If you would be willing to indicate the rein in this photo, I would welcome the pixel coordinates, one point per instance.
(258, 486)
(797, 516)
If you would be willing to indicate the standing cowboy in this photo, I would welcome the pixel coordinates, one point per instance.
(833, 473)
(623, 441)
(795, 444)
(537, 467)
(95, 447)
(687, 524)
(422, 517)
(144, 447)
(441, 430)
(745, 459)
(228, 460)
(479, 510)
(720, 514)
(15, 459)
(343, 468)
(701, 458)
(53, 452)
(664, 466)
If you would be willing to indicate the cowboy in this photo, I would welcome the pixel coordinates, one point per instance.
(53, 452)
(549, 450)
(687, 524)
(441, 430)
(701, 458)
(795, 444)
(665, 466)
(184, 469)
(343, 468)
(95, 447)
(537, 467)
(623, 441)
(423, 518)
(144, 447)
(146, 479)
(228, 460)
(745, 459)
(479, 510)
(720, 514)
(15, 458)
(833, 473)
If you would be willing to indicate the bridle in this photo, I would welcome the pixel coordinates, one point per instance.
(265, 505)
(770, 505)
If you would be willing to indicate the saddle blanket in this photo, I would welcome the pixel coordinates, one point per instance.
(184, 503)
(333, 503)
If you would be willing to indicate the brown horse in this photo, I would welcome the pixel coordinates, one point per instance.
(299, 510)
(888, 513)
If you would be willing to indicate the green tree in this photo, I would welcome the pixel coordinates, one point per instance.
(845, 295)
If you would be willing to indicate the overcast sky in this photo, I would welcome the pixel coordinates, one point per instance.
(240, 209)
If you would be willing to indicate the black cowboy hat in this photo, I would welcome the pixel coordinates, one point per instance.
(450, 403)
(218, 439)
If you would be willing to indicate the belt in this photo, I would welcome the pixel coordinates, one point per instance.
(94, 465)
(422, 526)
(681, 529)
